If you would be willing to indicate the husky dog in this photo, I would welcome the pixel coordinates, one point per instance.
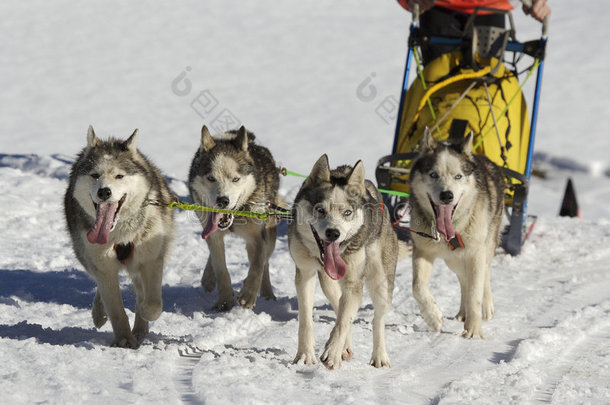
(231, 172)
(460, 196)
(341, 231)
(113, 212)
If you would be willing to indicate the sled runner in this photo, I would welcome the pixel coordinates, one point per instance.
(476, 88)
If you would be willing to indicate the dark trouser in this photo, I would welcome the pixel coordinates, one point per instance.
(439, 21)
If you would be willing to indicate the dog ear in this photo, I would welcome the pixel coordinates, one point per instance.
(242, 138)
(466, 143)
(130, 143)
(356, 177)
(429, 141)
(320, 172)
(207, 142)
(92, 140)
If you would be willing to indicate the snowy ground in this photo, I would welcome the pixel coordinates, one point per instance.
(290, 72)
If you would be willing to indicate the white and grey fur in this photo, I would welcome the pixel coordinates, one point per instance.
(340, 214)
(108, 203)
(456, 192)
(230, 171)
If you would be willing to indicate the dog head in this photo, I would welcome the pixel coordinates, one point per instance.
(331, 207)
(110, 182)
(441, 177)
(223, 175)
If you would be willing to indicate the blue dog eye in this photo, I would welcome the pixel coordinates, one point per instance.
(458, 176)
(347, 213)
(211, 179)
(434, 175)
(235, 179)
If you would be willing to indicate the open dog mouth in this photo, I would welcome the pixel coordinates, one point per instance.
(334, 265)
(217, 220)
(106, 218)
(443, 215)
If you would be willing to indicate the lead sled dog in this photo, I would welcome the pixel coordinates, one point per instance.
(115, 220)
(460, 196)
(341, 233)
(230, 171)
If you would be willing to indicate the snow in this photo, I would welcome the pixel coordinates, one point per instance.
(290, 72)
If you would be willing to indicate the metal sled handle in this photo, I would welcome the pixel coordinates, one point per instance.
(545, 21)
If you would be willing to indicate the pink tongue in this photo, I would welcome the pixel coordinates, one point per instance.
(212, 225)
(333, 263)
(443, 221)
(104, 217)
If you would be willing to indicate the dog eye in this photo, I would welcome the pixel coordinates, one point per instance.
(235, 179)
(320, 210)
(458, 176)
(211, 179)
(434, 175)
(347, 213)
(119, 176)
(95, 175)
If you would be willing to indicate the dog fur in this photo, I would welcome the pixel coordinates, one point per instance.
(456, 193)
(231, 172)
(341, 232)
(112, 209)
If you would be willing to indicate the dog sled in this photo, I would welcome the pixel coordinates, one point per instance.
(476, 88)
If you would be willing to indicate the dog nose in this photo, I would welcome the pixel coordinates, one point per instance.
(332, 234)
(446, 197)
(104, 193)
(222, 202)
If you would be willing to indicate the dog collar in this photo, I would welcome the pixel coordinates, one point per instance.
(123, 252)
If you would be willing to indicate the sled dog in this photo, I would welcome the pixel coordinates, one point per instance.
(231, 172)
(342, 232)
(459, 197)
(115, 219)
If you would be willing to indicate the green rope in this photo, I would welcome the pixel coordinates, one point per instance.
(505, 110)
(248, 214)
(285, 172)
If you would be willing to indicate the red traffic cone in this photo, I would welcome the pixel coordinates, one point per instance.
(569, 205)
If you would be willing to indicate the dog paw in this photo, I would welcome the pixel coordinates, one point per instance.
(488, 310)
(461, 316)
(305, 358)
(223, 305)
(331, 358)
(268, 295)
(151, 310)
(140, 332)
(246, 298)
(126, 342)
(434, 318)
(472, 329)
(347, 354)
(379, 360)
(99, 316)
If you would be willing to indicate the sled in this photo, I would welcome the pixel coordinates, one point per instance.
(478, 89)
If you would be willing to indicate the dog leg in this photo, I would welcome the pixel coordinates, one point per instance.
(208, 280)
(474, 297)
(98, 313)
(332, 290)
(223, 279)
(348, 306)
(422, 270)
(461, 315)
(110, 293)
(256, 256)
(377, 284)
(266, 287)
(305, 283)
(140, 325)
(488, 301)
